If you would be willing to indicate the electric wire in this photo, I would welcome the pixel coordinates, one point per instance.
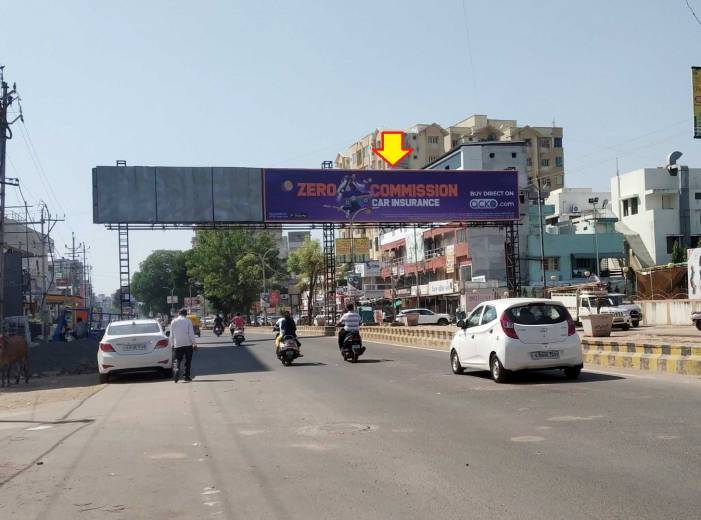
(698, 21)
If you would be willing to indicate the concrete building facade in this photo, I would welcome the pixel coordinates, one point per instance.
(646, 201)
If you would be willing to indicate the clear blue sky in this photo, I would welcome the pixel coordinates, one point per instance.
(262, 83)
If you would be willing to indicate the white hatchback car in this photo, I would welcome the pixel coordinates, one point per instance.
(517, 334)
(134, 346)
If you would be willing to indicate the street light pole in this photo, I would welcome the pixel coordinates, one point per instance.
(594, 201)
(262, 259)
(352, 244)
(539, 187)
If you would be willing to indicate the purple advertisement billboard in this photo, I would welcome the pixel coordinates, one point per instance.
(390, 196)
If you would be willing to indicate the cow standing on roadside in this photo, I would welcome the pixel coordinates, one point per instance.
(13, 350)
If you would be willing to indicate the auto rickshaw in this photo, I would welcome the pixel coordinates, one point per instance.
(195, 323)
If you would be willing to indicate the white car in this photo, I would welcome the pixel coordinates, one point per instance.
(426, 316)
(517, 334)
(134, 346)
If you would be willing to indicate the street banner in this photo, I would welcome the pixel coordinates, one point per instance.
(693, 264)
(450, 259)
(355, 281)
(171, 299)
(696, 92)
(360, 247)
(392, 196)
(274, 298)
(264, 300)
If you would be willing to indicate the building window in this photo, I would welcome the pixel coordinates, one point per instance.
(697, 195)
(558, 180)
(461, 237)
(529, 162)
(432, 158)
(545, 162)
(552, 263)
(559, 161)
(513, 155)
(491, 155)
(527, 141)
(544, 142)
(625, 208)
(557, 142)
(670, 242)
(634, 206)
(491, 137)
(667, 201)
(432, 139)
(454, 143)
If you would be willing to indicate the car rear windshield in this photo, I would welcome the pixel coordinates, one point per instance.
(537, 314)
(133, 328)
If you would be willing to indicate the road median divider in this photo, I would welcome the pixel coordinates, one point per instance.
(652, 357)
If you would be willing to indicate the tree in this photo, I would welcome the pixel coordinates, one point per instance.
(116, 302)
(308, 263)
(162, 273)
(678, 255)
(229, 266)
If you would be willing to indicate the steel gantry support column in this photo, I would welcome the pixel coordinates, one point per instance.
(329, 273)
(513, 260)
(124, 291)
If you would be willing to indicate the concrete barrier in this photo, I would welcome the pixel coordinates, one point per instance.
(653, 357)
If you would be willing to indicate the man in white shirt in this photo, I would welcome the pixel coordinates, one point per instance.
(182, 339)
(349, 322)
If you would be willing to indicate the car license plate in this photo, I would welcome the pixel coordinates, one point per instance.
(140, 346)
(546, 354)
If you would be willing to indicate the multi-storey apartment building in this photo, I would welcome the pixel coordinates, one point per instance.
(545, 159)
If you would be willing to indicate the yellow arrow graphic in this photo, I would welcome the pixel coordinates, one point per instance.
(392, 150)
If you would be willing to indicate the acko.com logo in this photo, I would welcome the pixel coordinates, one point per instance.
(483, 204)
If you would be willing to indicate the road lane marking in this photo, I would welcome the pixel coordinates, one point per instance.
(566, 418)
(528, 438)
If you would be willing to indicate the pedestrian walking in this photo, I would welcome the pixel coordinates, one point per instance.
(182, 339)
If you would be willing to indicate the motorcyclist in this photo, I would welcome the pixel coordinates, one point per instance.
(286, 327)
(237, 323)
(349, 322)
(218, 322)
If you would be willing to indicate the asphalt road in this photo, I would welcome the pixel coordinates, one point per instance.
(396, 436)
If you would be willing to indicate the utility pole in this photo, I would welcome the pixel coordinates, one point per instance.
(7, 97)
(73, 250)
(47, 225)
(86, 294)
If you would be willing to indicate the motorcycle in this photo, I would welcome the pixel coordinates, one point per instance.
(352, 347)
(218, 330)
(696, 318)
(289, 350)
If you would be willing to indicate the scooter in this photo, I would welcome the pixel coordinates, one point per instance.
(289, 350)
(352, 347)
(237, 336)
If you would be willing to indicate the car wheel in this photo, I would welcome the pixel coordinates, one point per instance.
(168, 373)
(698, 324)
(455, 363)
(497, 369)
(572, 372)
(104, 378)
(636, 323)
(443, 321)
(625, 326)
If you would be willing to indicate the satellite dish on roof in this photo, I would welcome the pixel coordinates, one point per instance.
(673, 158)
